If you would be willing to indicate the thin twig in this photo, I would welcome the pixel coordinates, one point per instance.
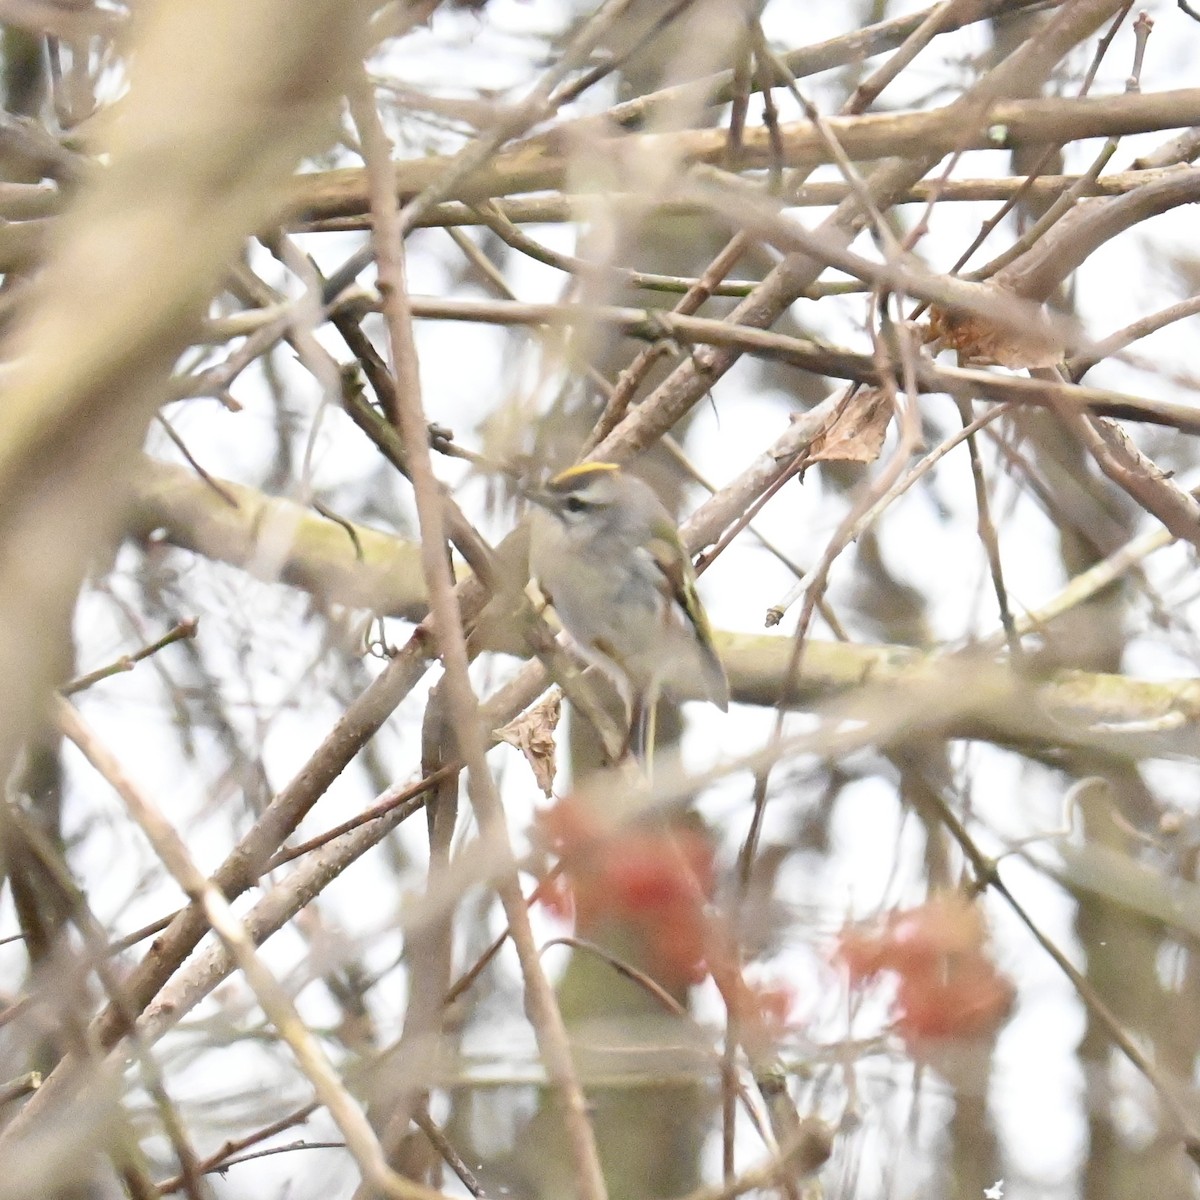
(988, 535)
(454, 1160)
(186, 628)
(214, 1161)
(182, 447)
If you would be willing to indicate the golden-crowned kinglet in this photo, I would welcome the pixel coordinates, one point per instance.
(607, 555)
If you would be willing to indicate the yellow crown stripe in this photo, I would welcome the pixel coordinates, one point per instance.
(573, 476)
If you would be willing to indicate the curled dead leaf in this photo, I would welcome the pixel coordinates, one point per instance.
(533, 734)
(1035, 341)
(856, 433)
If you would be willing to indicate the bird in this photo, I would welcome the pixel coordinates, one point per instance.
(606, 554)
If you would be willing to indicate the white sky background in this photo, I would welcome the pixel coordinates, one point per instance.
(248, 628)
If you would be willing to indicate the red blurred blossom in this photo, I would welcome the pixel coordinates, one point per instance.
(656, 880)
(861, 952)
(948, 923)
(568, 827)
(776, 1002)
(913, 939)
(947, 984)
(973, 1000)
(555, 895)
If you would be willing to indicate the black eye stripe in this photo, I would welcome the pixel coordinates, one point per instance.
(575, 504)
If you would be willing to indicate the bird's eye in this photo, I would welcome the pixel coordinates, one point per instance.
(574, 504)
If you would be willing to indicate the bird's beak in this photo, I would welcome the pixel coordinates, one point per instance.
(541, 497)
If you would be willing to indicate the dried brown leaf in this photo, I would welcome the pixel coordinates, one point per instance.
(982, 342)
(533, 734)
(858, 430)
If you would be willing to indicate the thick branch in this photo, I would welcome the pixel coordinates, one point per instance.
(352, 565)
(541, 163)
(756, 663)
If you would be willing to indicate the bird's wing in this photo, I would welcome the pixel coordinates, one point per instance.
(672, 560)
